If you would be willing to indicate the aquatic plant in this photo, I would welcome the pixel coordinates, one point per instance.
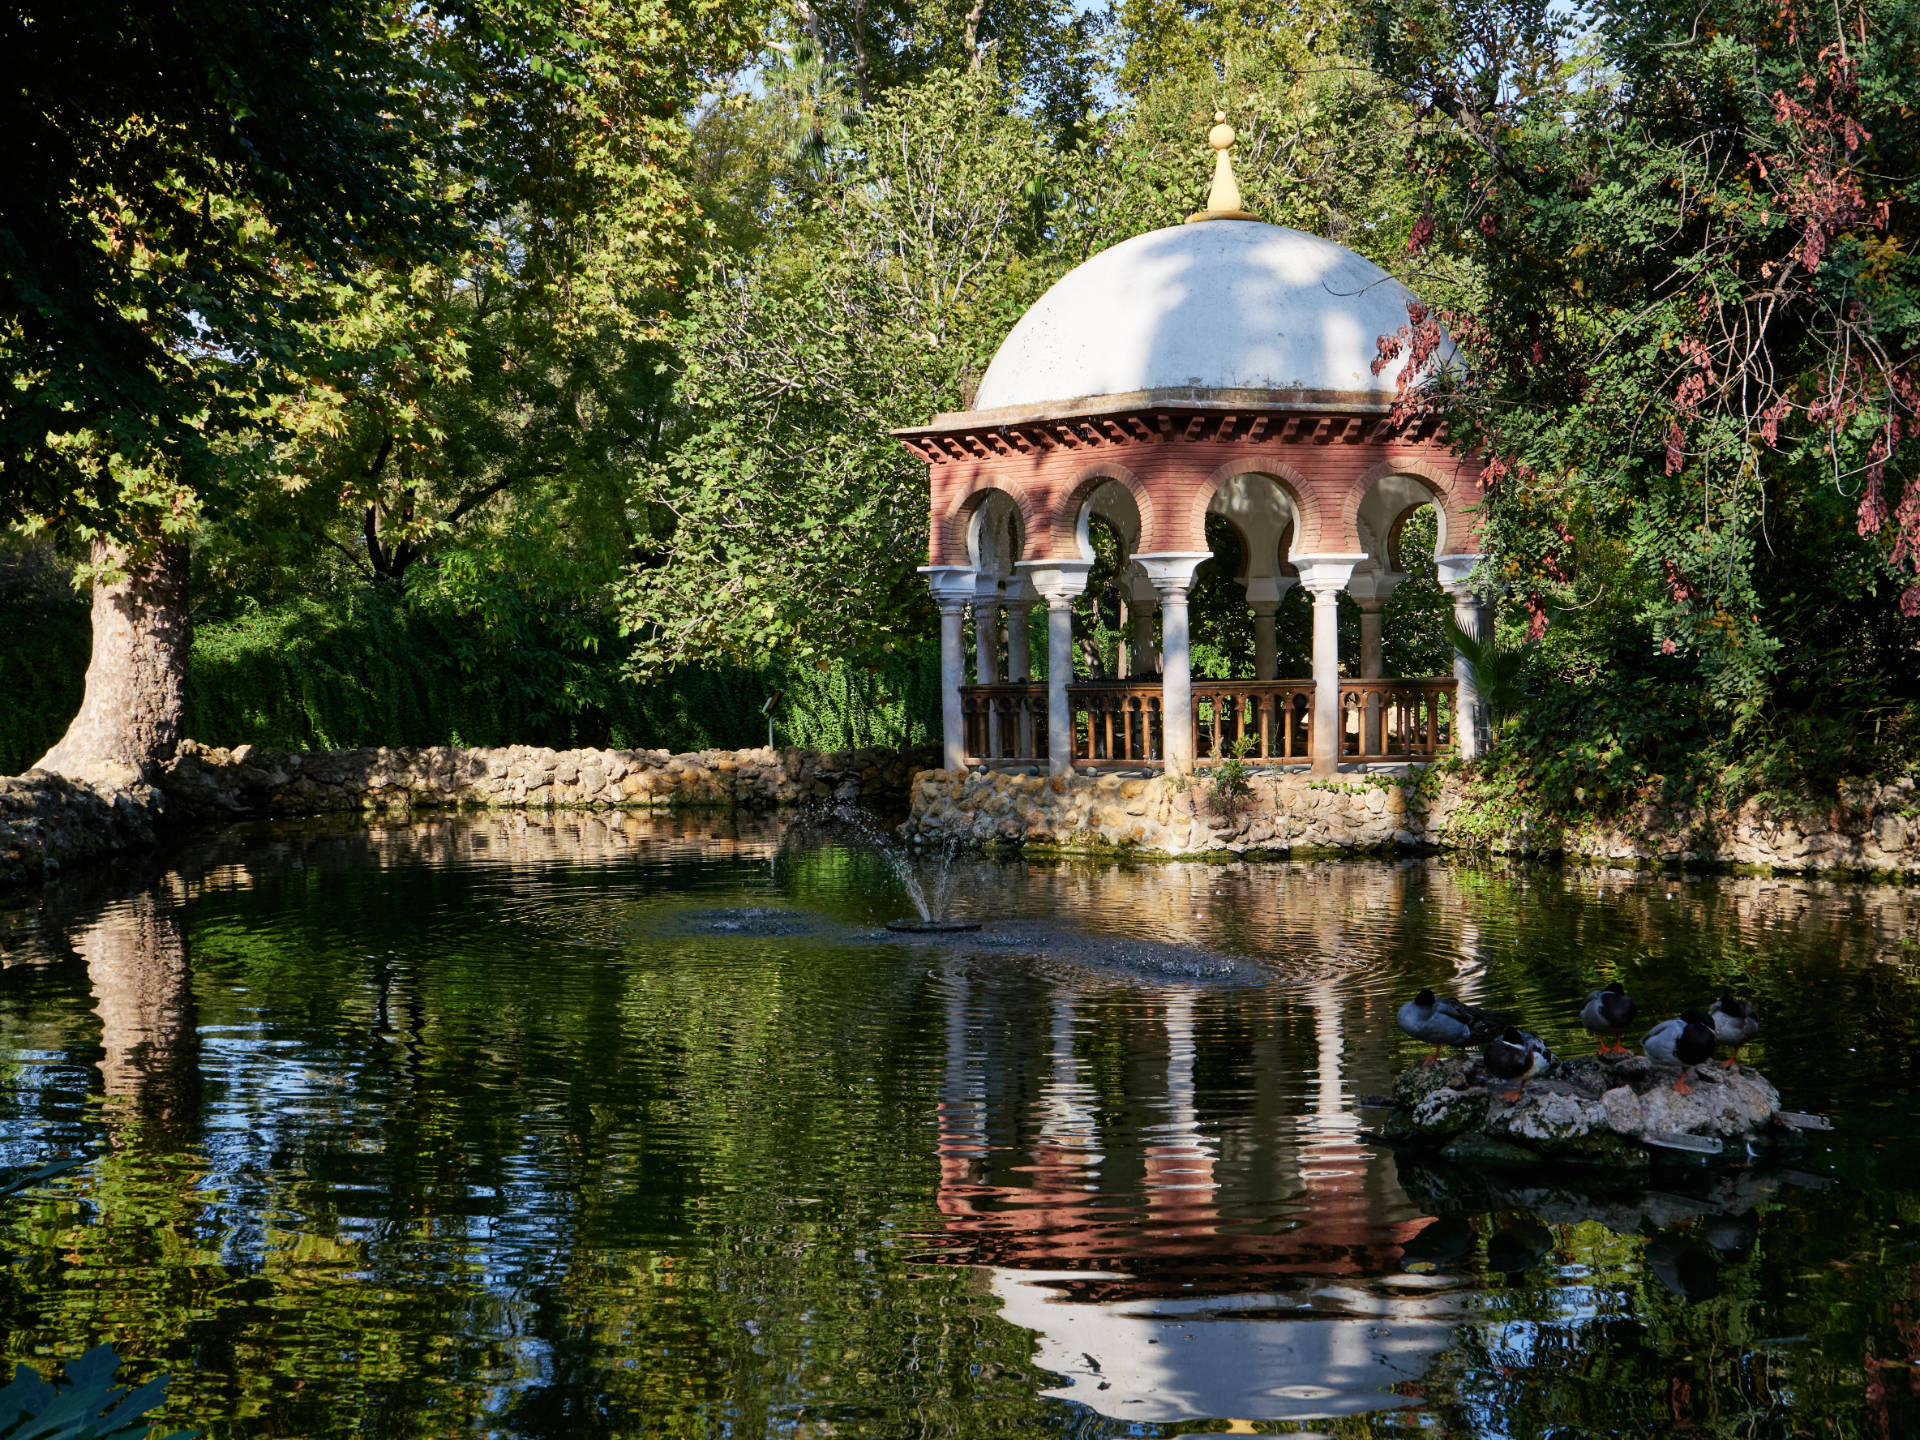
(87, 1406)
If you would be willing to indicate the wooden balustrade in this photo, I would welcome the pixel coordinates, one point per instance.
(1275, 715)
(1119, 722)
(1007, 721)
(1383, 720)
(1116, 722)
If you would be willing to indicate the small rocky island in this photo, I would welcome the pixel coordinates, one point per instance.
(1588, 1111)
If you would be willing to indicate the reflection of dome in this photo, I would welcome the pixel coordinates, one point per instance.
(1226, 305)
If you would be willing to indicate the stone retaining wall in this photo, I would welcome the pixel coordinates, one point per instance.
(1869, 829)
(205, 783)
(47, 823)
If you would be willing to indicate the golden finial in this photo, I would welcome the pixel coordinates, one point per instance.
(1223, 201)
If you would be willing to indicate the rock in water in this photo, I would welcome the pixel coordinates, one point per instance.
(1584, 1111)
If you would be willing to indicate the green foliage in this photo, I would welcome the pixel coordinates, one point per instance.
(44, 643)
(173, 166)
(1496, 669)
(1232, 786)
(1672, 248)
(364, 669)
(790, 519)
(88, 1406)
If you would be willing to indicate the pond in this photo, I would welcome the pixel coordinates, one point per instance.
(583, 1126)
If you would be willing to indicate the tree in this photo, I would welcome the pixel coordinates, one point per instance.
(169, 165)
(789, 519)
(380, 262)
(1674, 251)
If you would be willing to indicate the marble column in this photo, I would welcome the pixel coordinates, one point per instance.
(1020, 600)
(1264, 594)
(1059, 583)
(1324, 577)
(986, 652)
(952, 587)
(1140, 602)
(1472, 725)
(1172, 575)
(1371, 592)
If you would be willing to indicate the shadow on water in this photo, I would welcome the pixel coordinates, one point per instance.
(592, 1124)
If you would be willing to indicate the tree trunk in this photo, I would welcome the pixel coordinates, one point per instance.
(129, 720)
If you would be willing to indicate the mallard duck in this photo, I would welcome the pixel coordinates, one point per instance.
(1439, 1021)
(1735, 1022)
(1685, 1040)
(1515, 1055)
(1607, 1014)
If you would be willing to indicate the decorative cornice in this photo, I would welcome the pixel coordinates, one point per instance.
(989, 434)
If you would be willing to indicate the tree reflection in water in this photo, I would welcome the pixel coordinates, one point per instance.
(603, 1125)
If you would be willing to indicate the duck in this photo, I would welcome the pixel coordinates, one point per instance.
(1606, 1015)
(1735, 1022)
(1685, 1040)
(1441, 1021)
(1515, 1055)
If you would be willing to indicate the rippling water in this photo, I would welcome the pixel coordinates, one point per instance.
(516, 1128)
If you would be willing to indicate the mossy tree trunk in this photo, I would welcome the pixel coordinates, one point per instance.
(129, 720)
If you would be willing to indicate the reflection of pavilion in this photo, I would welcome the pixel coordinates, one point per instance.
(1244, 1356)
(1174, 1267)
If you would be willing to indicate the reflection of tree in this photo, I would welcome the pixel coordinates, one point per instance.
(136, 956)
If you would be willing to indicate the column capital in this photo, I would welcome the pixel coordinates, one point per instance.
(1373, 588)
(1020, 594)
(1265, 592)
(1324, 575)
(1456, 573)
(952, 585)
(1171, 571)
(1056, 580)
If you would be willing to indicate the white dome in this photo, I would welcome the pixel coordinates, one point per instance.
(1220, 305)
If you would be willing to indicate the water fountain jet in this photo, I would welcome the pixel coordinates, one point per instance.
(929, 899)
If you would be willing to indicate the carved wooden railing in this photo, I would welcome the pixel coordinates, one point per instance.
(1007, 721)
(1396, 719)
(1276, 717)
(1119, 722)
(1115, 722)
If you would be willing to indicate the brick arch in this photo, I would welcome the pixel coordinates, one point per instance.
(1066, 515)
(1444, 483)
(953, 525)
(1306, 504)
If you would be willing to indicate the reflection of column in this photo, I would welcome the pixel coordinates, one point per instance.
(1068, 1152)
(962, 1119)
(1332, 1162)
(1020, 598)
(952, 587)
(1059, 582)
(136, 955)
(1179, 1167)
(1324, 577)
(1471, 725)
(1172, 575)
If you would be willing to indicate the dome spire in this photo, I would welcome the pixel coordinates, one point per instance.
(1223, 201)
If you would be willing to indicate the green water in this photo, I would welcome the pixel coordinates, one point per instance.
(500, 1127)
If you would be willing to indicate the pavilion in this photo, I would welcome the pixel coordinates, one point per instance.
(1223, 366)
